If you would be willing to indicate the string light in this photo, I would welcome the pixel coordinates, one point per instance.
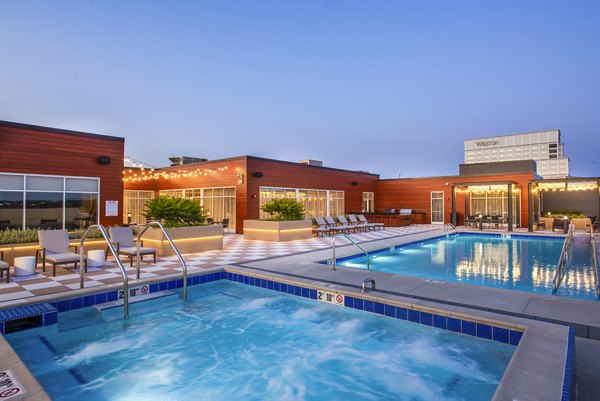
(142, 174)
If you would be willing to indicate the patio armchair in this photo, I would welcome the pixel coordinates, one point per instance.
(56, 249)
(122, 238)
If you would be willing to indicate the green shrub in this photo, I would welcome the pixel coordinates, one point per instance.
(175, 212)
(18, 236)
(285, 209)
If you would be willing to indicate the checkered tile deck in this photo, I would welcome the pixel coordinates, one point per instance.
(235, 250)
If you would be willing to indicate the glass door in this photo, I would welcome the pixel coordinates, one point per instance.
(437, 207)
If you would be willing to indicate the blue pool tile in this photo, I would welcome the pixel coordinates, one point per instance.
(76, 303)
(390, 310)
(283, 287)
(49, 318)
(515, 337)
(305, 292)
(358, 303)
(378, 308)
(401, 313)
(2, 328)
(154, 287)
(112, 296)
(469, 328)
(210, 277)
(484, 331)
(297, 290)
(100, 299)
(163, 286)
(245, 279)
(454, 324)
(312, 294)
(89, 300)
(270, 284)
(439, 322)
(250, 281)
(426, 319)
(368, 306)
(179, 283)
(349, 302)
(220, 276)
(277, 286)
(171, 285)
(500, 334)
(230, 276)
(195, 280)
(63, 306)
(414, 316)
(291, 289)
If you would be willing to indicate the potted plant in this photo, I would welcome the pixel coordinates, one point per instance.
(286, 222)
(184, 220)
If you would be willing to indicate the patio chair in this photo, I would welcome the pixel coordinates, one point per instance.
(321, 228)
(4, 267)
(333, 226)
(362, 226)
(363, 219)
(471, 220)
(559, 224)
(55, 248)
(122, 238)
(225, 223)
(344, 223)
(210, 220)
(496, 220)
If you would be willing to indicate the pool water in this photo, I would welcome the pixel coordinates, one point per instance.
(237, 342)
(518, 263)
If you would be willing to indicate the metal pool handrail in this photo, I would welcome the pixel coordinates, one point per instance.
(595, 262)
(449, 226)
(353, 243)
(116, 256)
(139, 241)
(563, 259)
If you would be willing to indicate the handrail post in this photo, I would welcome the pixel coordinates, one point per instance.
(183, 264)
(116, 256)
(353, 243)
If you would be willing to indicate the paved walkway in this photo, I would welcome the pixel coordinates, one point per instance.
(235, 250)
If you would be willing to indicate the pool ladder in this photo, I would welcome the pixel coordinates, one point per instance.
(449, 227)
(595, 262)
(363, 287)
(122, 267)
(563, 260)
(353, 243)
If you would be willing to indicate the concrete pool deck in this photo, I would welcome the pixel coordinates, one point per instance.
(534, 372)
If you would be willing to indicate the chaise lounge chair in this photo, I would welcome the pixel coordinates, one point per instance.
(122, 238)
(322, 227)
(360, 226)
(344, 223)
(333, 226)
(4, 267)
(364, 220)
(55, 248)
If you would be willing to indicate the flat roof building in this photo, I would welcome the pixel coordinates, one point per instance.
(544, 147)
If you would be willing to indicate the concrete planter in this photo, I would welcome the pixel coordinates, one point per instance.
(277, 231)
(187, 239)
(581, 223)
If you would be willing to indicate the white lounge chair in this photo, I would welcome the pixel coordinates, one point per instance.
(344, 223)
(122, 238)
(56, 249)
(322, 227)
(360, 225)
(334, 226)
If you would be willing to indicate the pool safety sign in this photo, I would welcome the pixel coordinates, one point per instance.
(330, 298)
(9, 385)
(136, 291)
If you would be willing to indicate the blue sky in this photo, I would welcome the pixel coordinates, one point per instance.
(391, 87)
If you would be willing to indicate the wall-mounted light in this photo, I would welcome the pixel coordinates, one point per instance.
(240, 178)
(354, 183)
(258, 174)
(128, 217)
(104, 160)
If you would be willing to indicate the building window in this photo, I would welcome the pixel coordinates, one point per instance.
(134, 202)
(218, 203)
(368, 202)
(48, 202)
(316, 202)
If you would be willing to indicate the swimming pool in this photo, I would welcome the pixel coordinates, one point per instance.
(234, 341)
(522, 263)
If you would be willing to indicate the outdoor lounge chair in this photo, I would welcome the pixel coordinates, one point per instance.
(322, 227)
(364, 220)
(333, 226)
(361, 226)
(344, 223)
(55, 248)
(122, 238)
(4, 267)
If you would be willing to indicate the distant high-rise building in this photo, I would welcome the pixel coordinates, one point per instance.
(544, 147)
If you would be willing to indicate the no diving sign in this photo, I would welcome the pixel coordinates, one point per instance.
(330, 297)
(9, 385)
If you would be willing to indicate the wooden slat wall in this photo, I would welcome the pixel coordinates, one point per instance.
(415, 193)
(293, 175)
(33, 151)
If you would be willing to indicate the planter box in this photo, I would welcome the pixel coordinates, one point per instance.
(187, 239)
(277, 231)
(12, 251)
(581, 223)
